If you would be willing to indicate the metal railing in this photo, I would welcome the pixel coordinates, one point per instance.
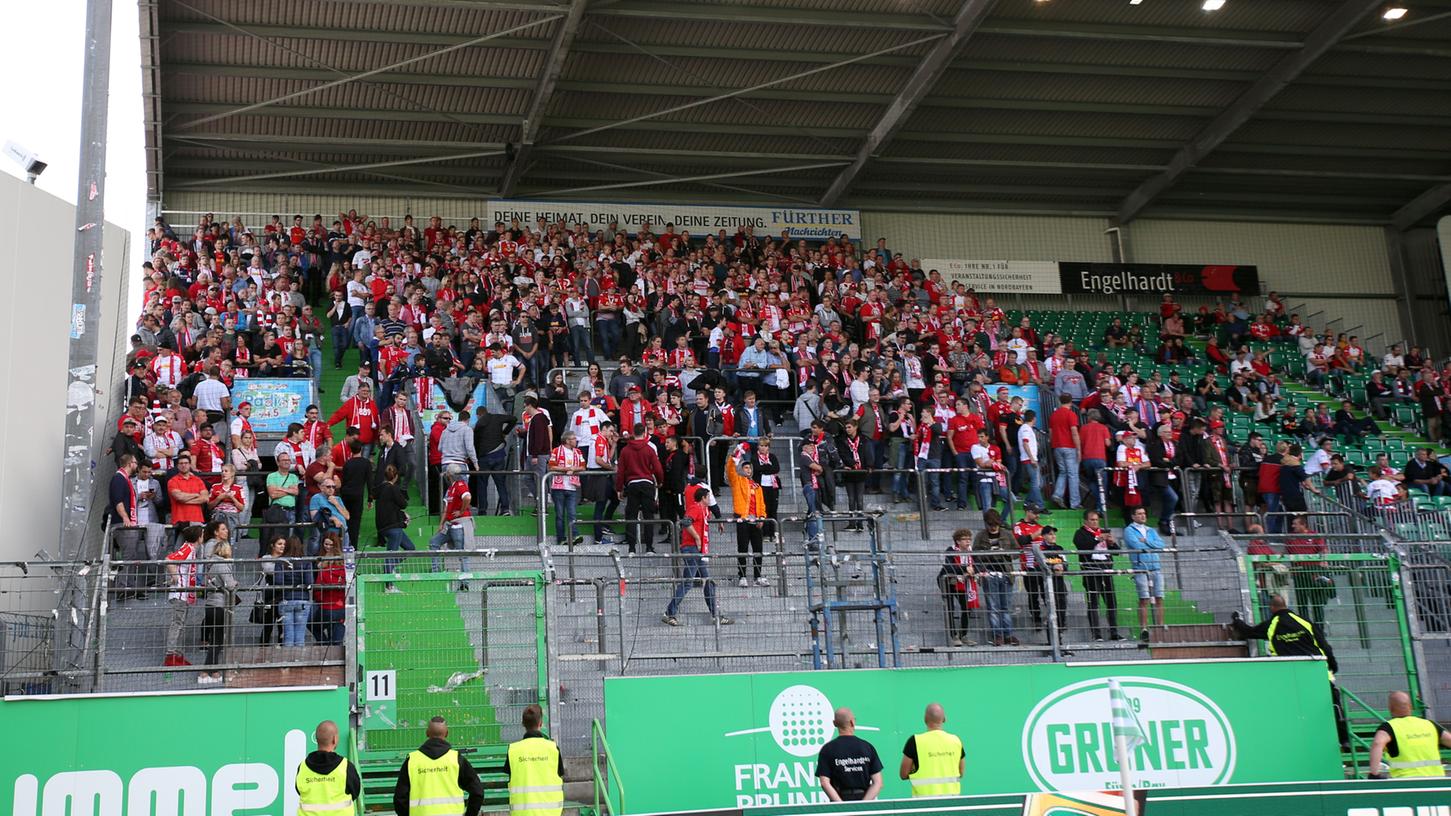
(600, 747)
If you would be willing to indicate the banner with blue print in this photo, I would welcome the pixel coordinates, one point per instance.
(276, 401)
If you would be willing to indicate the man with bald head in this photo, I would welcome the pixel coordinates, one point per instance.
(435, 780)
(933, 760)
(327, 784)
(848, 767)
(1412, 743)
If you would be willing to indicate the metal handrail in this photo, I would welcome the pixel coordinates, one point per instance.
(598, 742)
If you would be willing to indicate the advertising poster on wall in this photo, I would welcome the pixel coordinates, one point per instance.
(1046, 728)
(276, 402)
(808, 223)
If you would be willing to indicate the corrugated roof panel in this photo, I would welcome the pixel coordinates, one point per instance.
(727, 74)
(941, 8)
(630, 141)
(1323, 98)
(1356, 64)
(245, 90)
(1061, 154)
(1292, 16)
(1226, 156)
(715, 35)
(807, 113)
(1070, 51)
(360, 16)
(1053, 123)
(1068, 87)
(243, 51)
(1336, 134)
(271, 122)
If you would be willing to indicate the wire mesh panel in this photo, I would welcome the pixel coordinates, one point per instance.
(468, 646)
(47, 622)
(1355, 601)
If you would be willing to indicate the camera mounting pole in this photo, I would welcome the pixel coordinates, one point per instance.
(81, 438)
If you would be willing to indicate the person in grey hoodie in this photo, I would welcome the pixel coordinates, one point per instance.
(809, 406)
(456, 445)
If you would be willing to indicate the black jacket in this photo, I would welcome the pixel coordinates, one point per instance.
(1159, 461)
(468, 779)
(325, 762)
(394, 456)
(1291, 639)
(390, 502)
(490, 430)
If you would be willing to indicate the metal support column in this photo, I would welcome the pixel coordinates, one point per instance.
(85, 318)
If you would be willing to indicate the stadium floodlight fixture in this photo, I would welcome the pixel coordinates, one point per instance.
(26, 159)
(1393, 13)
(1135, 2)
(1213, 5)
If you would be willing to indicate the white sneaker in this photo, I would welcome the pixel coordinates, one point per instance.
(742, 583)
(762, 582)
(392, 590)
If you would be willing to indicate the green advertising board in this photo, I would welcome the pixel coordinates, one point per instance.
(205, 754)
(1403, 797)
(751, 740)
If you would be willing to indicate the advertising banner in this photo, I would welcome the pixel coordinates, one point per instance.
(754, 738)
(809, 223)
(1081, 278)
(996, 277)
(213, 752)
(276, 401)
(1155, 279)
(1402, 797)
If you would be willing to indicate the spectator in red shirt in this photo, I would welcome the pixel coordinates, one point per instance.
(1093, 437)
(1064, 439)
(362, 413)
(188, 494)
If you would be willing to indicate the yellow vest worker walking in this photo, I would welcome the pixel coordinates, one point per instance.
(327, 784)
(436, 781)
(933, 760)
(536, 770)
(1413, 744)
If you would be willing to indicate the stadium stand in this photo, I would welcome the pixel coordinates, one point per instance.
(831, 396)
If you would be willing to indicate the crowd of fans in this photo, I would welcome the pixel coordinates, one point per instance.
(612, 360)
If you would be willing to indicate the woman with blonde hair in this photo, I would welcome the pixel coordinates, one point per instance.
(221, 598)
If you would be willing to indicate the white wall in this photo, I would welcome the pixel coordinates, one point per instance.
(36, 237)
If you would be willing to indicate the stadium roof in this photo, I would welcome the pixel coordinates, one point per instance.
(1287, 109)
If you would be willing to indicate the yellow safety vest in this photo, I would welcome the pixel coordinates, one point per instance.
(534, 781)
(937, 774)
(323, 794)
(1418, 748)
(433, 785)
(1309, 631)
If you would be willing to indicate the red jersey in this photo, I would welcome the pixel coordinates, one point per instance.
(361, 414)
(565, 457)
(456, 503)
(1060, 427)
(697, 512)
(1034, 532)
(963, 430)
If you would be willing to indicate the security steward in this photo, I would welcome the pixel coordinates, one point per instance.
(327, 784)
(1289, 635)
(535, 770)
(933, 760)
(1413, 744)
(848, 767)
(436, 781)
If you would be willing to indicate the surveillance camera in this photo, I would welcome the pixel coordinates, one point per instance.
(26, 159)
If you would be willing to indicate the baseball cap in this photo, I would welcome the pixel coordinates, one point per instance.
(1035, 508)
(1048, 528)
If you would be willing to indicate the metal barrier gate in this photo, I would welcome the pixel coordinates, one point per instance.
(1356, 600)
(468, 646)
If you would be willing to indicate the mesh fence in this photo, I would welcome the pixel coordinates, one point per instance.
(467, 643)
(48, 619)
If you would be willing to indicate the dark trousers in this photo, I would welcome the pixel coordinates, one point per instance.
(1099, 589)
(1036, 589)
(214, 632)
(748, 541)
(640, 504)
(354, 505)
(957, 613)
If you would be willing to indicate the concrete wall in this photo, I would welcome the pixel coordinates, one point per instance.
(36, 237)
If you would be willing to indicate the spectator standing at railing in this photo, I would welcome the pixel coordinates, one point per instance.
(188, 494)
(1143, 543)
(294, 572)
(1095, 545)
(181, 575)
(566, 462)
(1063, 437)
(329, 593)
(491, 432)
(750, 509)
(362, 413)
(536, 432)
(1294, 481)
(994, 555)
(241, 423)
(637, 477)
(1314, 586)
(1030, 466)
(960, 586)
(221, 600)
